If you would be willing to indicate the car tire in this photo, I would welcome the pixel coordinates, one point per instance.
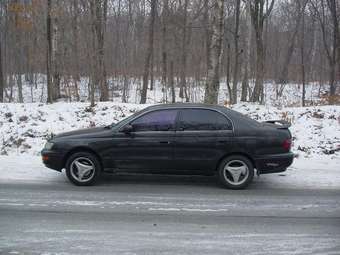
(236, 172)
(83, 168)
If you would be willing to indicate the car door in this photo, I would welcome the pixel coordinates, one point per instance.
(203, 136)
(150, 145)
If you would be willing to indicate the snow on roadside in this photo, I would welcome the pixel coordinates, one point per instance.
(27, 168)
(315, 130)
(304, 173)
(25, 127)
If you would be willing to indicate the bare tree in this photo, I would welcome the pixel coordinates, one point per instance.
(50, 96)
(300, 7)
(149, 52)
(303, 62)
(259, 14)
(2, 81)
(56, 58)
(165, 17)
(100, 23)
(76, 76)
(247, 54)
(237, 53)
(214, 58)
(114, 42)
(322, 9)
(183, 79)
(2, 78)
(333, 8)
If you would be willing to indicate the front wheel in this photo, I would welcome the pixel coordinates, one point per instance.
(83, 168)
(236, 172)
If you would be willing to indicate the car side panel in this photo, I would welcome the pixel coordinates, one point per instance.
(201, 150)
(143, 150)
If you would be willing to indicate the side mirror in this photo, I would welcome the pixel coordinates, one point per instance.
(127, 129)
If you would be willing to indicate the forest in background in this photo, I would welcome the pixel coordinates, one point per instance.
(175, 43)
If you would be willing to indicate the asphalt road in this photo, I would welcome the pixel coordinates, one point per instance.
(137, 214)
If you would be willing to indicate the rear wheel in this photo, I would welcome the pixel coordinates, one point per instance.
(83, 168)
(236, 172)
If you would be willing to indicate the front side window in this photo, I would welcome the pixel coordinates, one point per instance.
(162, 120)
(202, 119)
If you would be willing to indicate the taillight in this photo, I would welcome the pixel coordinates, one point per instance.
(287, 144)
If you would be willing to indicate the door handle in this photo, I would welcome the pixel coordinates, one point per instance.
(165, 142)
(223, 141)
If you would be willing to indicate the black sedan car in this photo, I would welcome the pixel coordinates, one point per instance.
(175, 138)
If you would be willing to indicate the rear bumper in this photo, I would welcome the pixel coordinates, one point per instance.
(53, 160)
(275, 163)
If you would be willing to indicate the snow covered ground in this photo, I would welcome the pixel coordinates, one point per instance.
(24, 128)
(322, 173)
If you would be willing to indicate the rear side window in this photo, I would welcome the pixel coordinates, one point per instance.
(202, 119)
(161, 120)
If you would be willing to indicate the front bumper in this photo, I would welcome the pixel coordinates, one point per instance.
(52, 159)
(274, 163)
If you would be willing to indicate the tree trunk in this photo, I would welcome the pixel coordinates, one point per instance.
(284, 72)
(247, 53)
(260, 58)
(213, 78)
(56, 59)
(165, 49)
(2, 80)
(19, 82)
(183, 84)
(228, 74)
(151, 72)
(259, 15)
(148, 52)
(49, 53)
(75, 76)
(207, 29)
(332, 5)
(236, 45)
(18, 53)
(100, 23)
(93, 79)
(303, 72)
(172, 82)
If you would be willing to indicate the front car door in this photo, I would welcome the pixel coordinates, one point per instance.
(150, 145)
(203, 136)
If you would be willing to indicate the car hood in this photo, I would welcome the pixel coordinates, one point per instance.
(88, 132)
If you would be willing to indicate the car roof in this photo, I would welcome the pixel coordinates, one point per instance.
(185, 105)
(231, 114)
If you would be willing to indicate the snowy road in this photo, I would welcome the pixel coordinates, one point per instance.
(41, 213)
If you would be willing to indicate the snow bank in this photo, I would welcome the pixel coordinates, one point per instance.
(24, 128)
(315, 130)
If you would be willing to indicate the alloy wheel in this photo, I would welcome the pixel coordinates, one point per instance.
(82, 169)
(236, 172)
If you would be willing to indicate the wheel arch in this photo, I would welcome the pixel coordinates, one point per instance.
(246, 155)
(81, 149)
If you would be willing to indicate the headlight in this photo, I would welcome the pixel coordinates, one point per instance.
(48, 145)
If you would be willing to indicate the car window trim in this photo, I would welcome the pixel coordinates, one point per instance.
(179, 109)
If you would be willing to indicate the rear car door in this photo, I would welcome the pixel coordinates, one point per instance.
(151, 143)
(203, 136)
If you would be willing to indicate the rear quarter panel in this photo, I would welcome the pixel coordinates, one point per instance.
(257, 139)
